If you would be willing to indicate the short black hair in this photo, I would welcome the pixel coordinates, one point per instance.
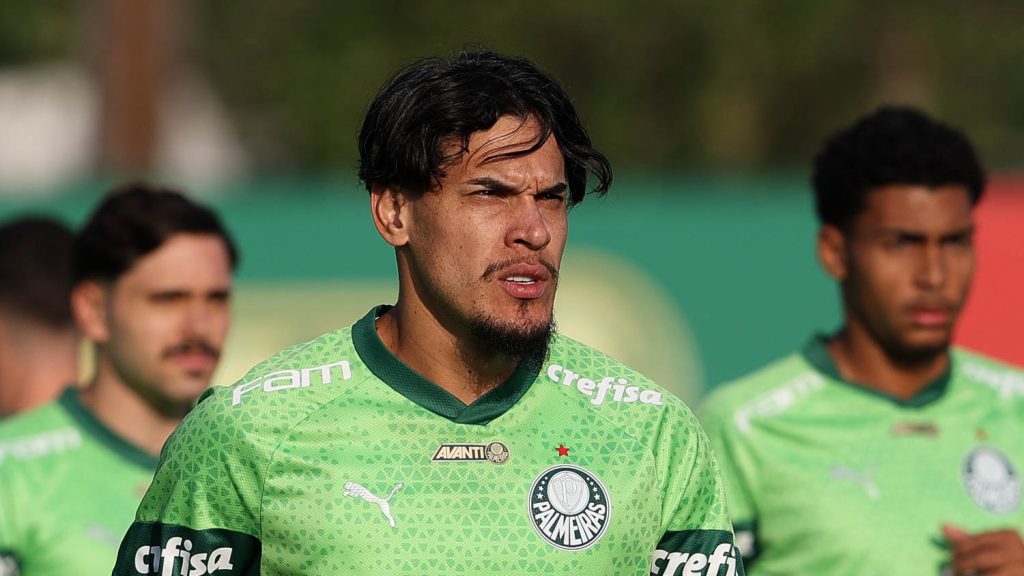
(133, 221)
(893, 145)
(435, 100)
(35, 269)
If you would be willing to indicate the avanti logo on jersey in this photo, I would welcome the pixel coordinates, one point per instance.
(165, 560)
(496, 452)
(569, 507)
(292, 379)
(613, 388)
(667, 563)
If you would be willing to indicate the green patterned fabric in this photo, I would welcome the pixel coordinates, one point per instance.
(69, 488)
(335, 458)
(828, 477)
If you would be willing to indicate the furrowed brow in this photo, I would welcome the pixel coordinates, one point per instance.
(555, 189)
(492, 184)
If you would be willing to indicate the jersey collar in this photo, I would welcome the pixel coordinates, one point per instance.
(71, 401)
(815, 353)
(407, 382)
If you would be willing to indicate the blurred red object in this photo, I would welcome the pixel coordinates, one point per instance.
(993, 321)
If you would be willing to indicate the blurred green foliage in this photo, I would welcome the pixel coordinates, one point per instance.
(717, 86)
(36, 30)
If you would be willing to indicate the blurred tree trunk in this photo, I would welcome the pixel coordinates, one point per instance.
(135, 54)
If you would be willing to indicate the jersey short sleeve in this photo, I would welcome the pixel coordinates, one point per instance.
(738, 474)
(202, 511)
(698, 537)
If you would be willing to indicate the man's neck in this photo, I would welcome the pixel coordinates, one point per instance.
(861, 359)
(449, 360)
(126, 413)
(36, 369)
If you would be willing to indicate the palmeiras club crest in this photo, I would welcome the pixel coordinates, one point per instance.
(991, 480)
(569, 507)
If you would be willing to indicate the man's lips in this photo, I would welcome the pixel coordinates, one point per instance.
(931, 316)
(525, 281)
(194, 361)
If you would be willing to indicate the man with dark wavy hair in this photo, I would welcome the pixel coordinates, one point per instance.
(454, 432)
(882, 448)
(38, 339)
(151, 274)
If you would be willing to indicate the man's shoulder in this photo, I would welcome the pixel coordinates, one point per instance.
(39, 433)
(1006, 380)
(326, 359)
(783, 372)
(617, 397)
(278, 392)
(38, 418)
(600, 379)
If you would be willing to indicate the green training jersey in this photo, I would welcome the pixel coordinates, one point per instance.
(334, 457)
(828, 477)
(69, 488)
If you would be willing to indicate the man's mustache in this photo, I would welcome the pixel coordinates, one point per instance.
(201, 346)
(495, 267)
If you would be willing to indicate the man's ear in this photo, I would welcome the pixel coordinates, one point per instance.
(832, 251)
(89, 305)
(390, 209)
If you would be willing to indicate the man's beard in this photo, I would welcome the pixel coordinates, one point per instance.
(907, 355)
(514, 340)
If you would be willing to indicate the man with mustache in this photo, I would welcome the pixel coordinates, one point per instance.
(453, 432)
(152, 279)
(881, 448)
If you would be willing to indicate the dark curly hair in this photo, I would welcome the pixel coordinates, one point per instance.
(894, 145)
(433, 101)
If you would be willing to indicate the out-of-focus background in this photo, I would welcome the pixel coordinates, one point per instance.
(699, 265)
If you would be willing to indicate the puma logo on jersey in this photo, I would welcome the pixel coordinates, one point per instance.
(864, 479)
(618, 388)
(292, 379)
(164, 561)
(356, 491)
(667, 563)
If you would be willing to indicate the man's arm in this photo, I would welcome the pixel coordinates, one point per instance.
(201, 513)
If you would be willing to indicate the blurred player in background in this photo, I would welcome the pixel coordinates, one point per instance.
(454, 432)
(152, 273)
(882, 449)
(38, 338)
